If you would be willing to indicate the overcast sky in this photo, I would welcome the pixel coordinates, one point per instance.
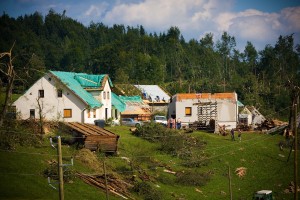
(258, 21)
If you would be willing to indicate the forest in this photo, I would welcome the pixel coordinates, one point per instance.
(265, 79)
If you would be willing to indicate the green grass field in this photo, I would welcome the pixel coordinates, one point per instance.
(21, 170)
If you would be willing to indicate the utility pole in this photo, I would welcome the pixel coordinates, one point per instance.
(296, 153)
(60, 169)
(229, 177)
(106, 186)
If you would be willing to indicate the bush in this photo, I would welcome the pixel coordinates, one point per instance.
(191, 178)
(9, 140)
(52, 172)
(174, 142)
(145, 190)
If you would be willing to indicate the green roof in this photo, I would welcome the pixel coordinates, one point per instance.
(77, 81)
(137, 99)
(117, 102)
(240, 104)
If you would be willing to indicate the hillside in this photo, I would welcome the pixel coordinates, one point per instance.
(22, 167)
(130, 55)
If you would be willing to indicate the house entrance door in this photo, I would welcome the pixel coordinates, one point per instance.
(106, 110)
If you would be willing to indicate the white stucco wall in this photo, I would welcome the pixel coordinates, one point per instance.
(105, 111)
(227, 111)
(52, 105)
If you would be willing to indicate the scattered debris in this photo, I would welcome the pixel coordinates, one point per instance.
(241, 171)
(291, 188)
(280, 155)
(198, 190)
(169, 171)
(223, 193)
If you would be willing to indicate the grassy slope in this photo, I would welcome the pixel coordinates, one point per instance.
(259, 153)
(21, 178)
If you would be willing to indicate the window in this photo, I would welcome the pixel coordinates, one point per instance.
(94, 111)
(59, 93)
(116, 114)
(41, 93)
(89, 113)
(104, 95)
(67, 113)
(32, 113)
(107, 95)
(188, 111)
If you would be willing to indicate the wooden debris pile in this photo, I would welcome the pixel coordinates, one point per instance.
(115, 186)
(291, 188)
(269, 124)
(241, 171)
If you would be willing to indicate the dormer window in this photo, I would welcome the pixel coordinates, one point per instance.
(107, 95)
(104, 95)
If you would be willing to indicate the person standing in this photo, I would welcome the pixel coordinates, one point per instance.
(232, 134)
(240, 135)
(171, 122)
(178, 124)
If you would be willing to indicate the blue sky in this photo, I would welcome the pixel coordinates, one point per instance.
(258, 21)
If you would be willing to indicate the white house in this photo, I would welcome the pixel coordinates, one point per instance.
(69, 97)
(202, 107)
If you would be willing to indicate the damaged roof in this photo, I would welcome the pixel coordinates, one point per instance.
(117, 102)
(230, 96)
(155, 92)
(78, 82)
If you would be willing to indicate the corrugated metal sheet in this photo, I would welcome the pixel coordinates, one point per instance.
(153, 91)
(68, 78)
(230, 96)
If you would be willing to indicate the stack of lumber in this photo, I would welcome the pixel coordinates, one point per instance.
(114, 185)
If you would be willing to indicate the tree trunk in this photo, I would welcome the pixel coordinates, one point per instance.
(10, 75)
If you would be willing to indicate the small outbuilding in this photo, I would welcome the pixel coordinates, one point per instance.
(94, 137)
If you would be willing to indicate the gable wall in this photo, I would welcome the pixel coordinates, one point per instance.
(227, 111)
(105, 108)
(52, 106)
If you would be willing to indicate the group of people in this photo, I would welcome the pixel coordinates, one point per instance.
(175, 124)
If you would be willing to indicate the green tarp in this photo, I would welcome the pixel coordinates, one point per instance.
(117, 102)
(68, 78)
(137, 99)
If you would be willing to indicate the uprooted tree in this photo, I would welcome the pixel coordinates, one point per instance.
(7, 68)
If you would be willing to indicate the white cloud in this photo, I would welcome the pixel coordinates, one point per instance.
(94, 11)
(160, 15)
(291, 18)
(197, 17)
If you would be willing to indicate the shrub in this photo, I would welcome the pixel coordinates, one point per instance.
(191, 178)
(9, 140)
(52, 172)
(145, 190)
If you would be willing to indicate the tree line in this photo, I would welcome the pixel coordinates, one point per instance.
(265, 79)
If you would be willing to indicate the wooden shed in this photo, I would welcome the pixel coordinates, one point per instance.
(95, 137)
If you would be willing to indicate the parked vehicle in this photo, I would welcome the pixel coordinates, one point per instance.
(160, 119)
(131, 122)
(263, 195)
